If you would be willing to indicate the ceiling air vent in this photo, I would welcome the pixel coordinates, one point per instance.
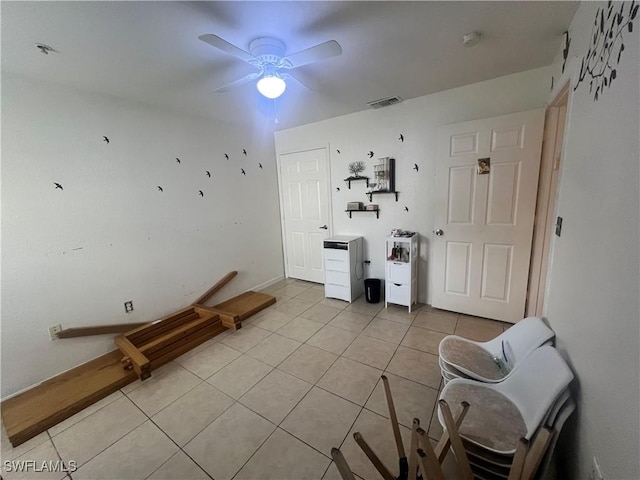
(384, 102)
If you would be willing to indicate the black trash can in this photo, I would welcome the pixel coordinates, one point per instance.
(372, 290)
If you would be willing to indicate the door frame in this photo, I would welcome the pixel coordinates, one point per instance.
(546, 202)
(283, 231)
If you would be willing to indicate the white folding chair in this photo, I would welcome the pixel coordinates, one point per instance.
(494, 360)
(512, 409)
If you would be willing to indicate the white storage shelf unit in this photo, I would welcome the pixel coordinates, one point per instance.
(401, 271)
(343, 267)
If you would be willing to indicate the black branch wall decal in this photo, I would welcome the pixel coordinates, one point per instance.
(565, 50)
(599, 64)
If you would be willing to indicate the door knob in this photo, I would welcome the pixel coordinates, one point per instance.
(324, 227)
(439, 232)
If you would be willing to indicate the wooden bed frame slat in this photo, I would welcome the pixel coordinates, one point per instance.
(178, 350)
(173, 336)
(135, 334)
(98, 330)
(153, 330)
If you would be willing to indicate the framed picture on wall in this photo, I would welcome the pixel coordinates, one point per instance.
(384, 174)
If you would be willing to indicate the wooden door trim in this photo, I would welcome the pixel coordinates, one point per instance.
(545, 204)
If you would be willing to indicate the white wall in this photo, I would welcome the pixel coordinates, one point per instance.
(74, 256)
(593, 288)
(379, 131)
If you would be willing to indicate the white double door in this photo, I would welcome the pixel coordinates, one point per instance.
(304, 191)
(484, 221)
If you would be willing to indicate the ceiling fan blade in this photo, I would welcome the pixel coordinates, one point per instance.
(287, 77)
(237, 83)
(231, 49)
(322, 51)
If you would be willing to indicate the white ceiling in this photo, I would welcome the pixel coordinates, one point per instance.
(149, 51)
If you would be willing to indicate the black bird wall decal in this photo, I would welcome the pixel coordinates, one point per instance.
(208, 173)
(160, 188)
(406, 209)
(338, 152)
(201, 193)
(415, 167)
(58, 186)
(260, 165)
(105, 139)
(177, 160)
(226, 156)
(370, 154)
(337, 189)
(244, 152)
(243, 172)
(401, 138)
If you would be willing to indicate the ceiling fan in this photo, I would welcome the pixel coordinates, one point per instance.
(267, 54)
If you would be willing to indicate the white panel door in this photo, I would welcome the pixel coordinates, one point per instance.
(484, 222)
(304, 188)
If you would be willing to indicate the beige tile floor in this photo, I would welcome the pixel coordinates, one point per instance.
(268, 401)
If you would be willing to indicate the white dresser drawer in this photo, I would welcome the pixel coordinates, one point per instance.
(398, 294)
(336, 254)
(337, 291)
(337, 278)
(336, 265)
(398, 272)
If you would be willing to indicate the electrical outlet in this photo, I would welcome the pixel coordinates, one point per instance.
(54, 330)
(128, 306)
(596, 473)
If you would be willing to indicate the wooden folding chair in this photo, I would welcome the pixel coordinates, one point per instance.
(421, 453)
(528, 456)
(425, 462)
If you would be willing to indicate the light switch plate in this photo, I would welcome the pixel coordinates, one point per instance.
(558, 226)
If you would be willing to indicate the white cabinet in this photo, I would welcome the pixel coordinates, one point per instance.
(343, 267)
(401, 270)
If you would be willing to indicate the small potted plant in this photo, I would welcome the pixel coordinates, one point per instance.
(355, 168)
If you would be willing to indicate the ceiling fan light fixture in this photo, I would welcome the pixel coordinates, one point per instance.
(271, 86)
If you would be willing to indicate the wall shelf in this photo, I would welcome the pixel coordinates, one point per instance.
(349, 212)
(356, 179)
(371, 194)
